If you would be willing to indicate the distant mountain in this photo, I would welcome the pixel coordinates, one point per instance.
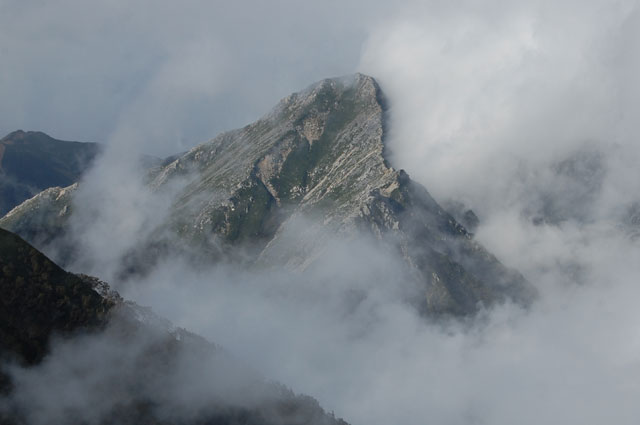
(578, 180)
(317, 158)
(125, 364)
(632, 220)
(33, 161)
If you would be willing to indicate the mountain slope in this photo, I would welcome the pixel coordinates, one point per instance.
(277, 191)
(33, 161)
(319, 155)
(122, 363)
(43, 218)
(39, 298)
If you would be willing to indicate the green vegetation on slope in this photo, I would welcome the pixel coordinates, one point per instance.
(39, 298)
(248, 218)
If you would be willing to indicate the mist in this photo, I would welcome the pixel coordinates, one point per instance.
(505, 90)
(525, 112)
(171, 75)
(138, 364)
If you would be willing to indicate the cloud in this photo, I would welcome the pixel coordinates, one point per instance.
(178, 74)
(343, 333)
(480, 90)
(135, 369)
(500, 105)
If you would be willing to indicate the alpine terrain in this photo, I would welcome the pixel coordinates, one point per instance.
(33, 161)
(274, 192)
(73, 351)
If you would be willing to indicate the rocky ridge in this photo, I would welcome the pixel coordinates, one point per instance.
(318, 158)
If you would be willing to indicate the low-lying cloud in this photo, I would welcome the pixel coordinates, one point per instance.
(138, 367)
(525, 112)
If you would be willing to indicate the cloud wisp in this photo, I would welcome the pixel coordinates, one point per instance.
(524, 111)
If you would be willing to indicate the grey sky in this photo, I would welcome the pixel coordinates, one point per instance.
(174, 73)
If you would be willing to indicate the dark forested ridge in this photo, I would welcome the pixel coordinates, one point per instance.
(145, 360)
(39, 298)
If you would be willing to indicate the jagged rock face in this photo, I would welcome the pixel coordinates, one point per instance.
(463, 215)
(33, 161)
(321, 148)
(318, 156)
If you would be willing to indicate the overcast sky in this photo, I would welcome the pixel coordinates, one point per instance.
(175, 73)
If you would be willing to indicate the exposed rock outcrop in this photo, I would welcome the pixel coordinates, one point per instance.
(318, 156)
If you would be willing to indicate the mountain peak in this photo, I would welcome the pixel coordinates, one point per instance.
(21, 136)
(325, 93)
(365, 84)
(13, 136)
(317, 146)
(318, 156)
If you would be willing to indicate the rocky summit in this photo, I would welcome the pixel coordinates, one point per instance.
(317, 158)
